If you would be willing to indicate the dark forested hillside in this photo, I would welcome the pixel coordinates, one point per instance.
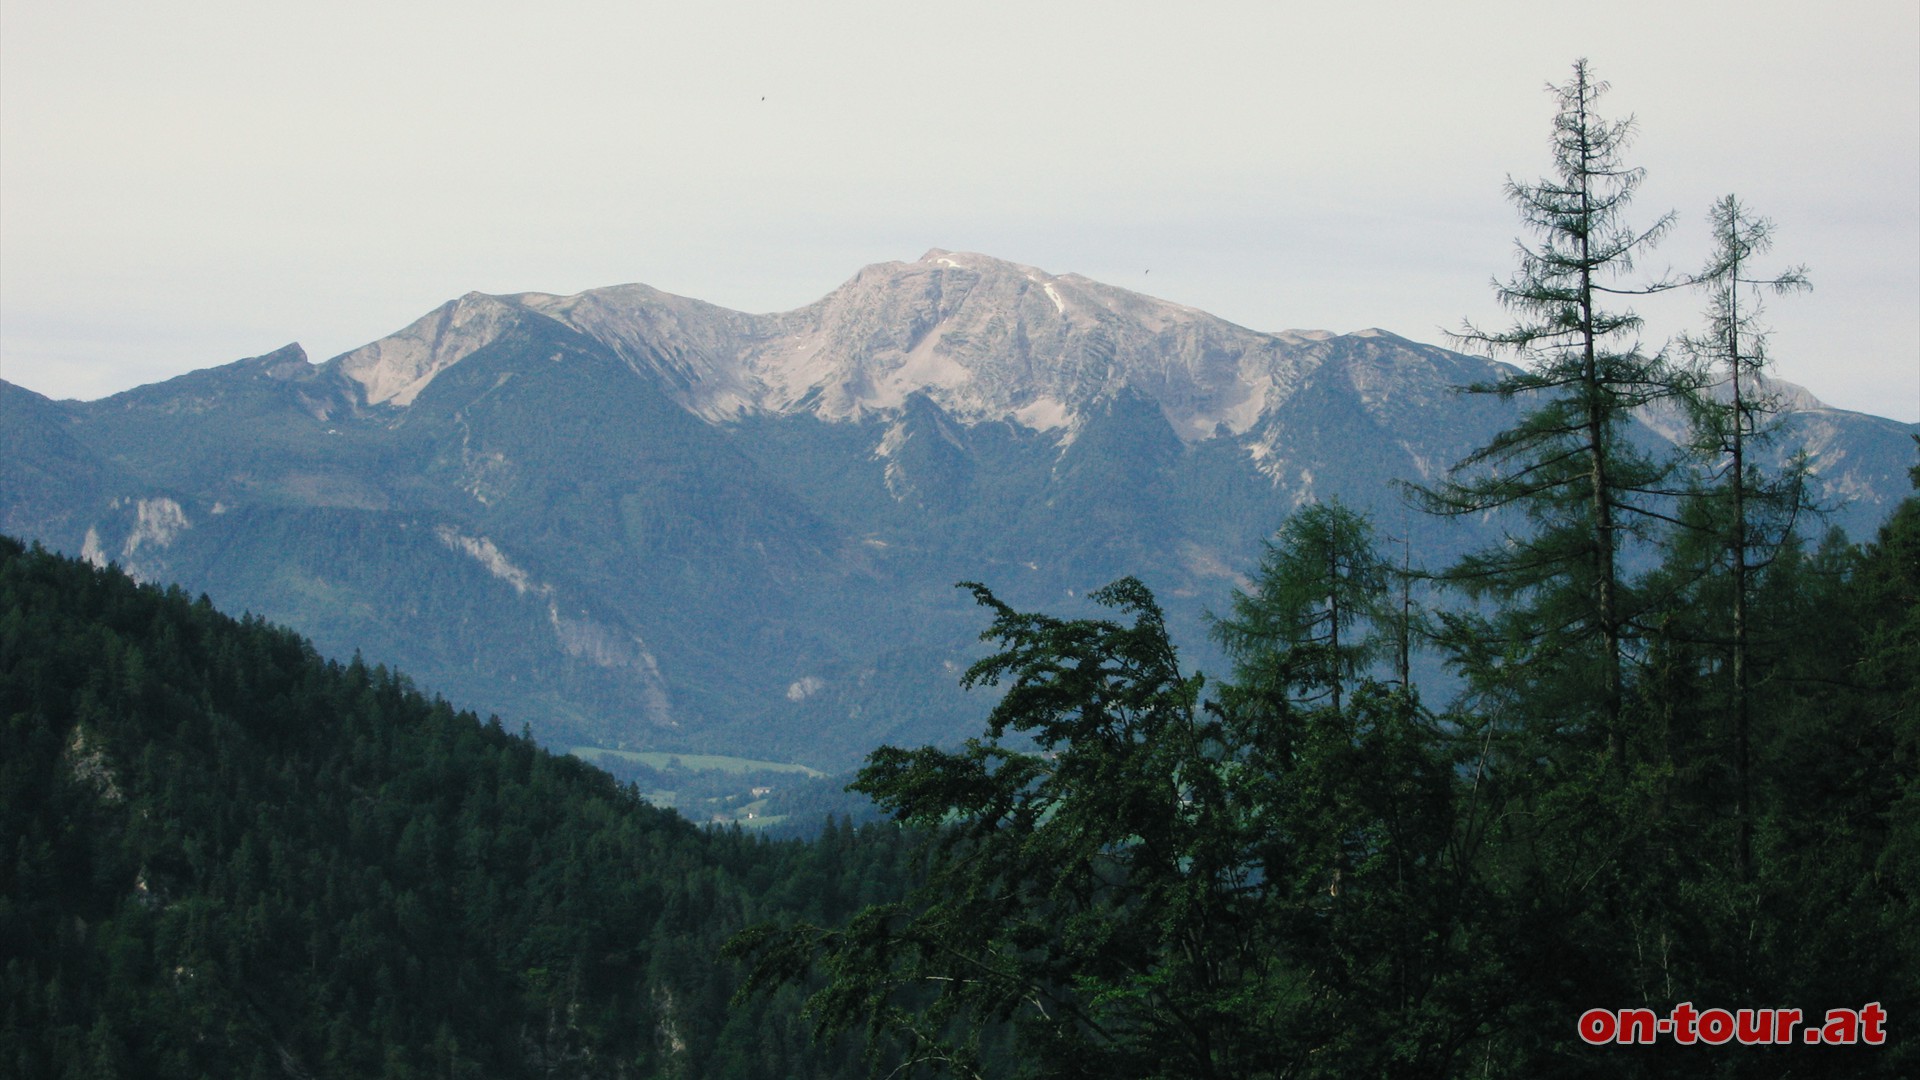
(229, 857)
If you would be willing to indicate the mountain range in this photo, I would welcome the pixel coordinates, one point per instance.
(635, 520)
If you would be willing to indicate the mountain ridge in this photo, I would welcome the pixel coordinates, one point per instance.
(971, 331)
(640, 521)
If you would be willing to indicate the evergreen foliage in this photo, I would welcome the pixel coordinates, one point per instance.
(1141, 878)
(1568, 464)
(228, 857)
(1160, 886)
(1743, 515)
(1319, 576)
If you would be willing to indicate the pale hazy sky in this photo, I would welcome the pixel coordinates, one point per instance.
(185, 184)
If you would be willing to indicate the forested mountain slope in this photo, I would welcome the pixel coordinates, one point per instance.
(229, 857)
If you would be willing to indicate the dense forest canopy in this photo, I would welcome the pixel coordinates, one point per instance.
(1244, 879)
(230, 857)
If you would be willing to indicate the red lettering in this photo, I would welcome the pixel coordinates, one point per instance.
(1753, 1026)
(1716, 1026)
(1784, 1021)
(1597, 1026)
(1842, 1027)
(1873, 1021)
(1637, 1026)
(1683, 1021)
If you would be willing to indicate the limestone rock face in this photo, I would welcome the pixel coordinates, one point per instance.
(396, 368)
(985, 339)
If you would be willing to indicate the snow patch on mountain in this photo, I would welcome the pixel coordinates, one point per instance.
(891, 474)
(1043, 413)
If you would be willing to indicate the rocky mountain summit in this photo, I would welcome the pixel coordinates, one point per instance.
(632, 519)
(984, 339)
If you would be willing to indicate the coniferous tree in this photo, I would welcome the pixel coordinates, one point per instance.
(1567, 464)
(1743, 512)
(1085, 892)
(1162, 886)
(1318, 605)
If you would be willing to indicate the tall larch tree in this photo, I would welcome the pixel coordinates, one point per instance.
(1318, 605)
(1567, 464)
(1744, 513)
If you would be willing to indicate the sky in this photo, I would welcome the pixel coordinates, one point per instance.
(186, 184)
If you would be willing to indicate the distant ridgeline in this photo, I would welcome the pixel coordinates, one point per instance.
(229, 857)
(639, 522)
